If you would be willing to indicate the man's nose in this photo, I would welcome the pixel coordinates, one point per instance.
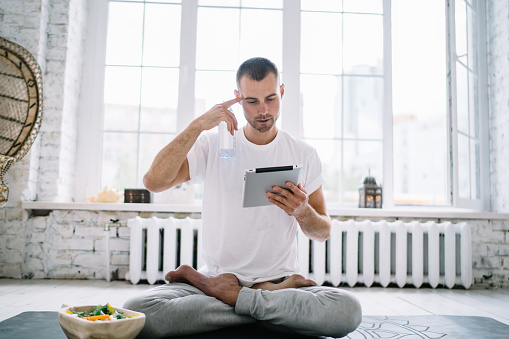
(263, 109)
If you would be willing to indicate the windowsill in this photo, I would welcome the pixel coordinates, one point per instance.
(398, 212)
(104, 206)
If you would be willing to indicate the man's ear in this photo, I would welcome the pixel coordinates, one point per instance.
(282, 90)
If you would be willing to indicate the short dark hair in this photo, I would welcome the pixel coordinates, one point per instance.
(256, 69)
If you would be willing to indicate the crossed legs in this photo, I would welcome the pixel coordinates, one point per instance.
(181, 309)
(194, 303)
(225, 287)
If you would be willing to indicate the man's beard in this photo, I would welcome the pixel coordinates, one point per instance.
(262, 128)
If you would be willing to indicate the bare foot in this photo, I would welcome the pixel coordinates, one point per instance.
(224, 287)
(295, 281)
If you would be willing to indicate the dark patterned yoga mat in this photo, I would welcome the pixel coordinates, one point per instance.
(429, 327)
(44, 325)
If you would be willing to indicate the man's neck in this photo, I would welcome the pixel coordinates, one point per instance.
(259, 138)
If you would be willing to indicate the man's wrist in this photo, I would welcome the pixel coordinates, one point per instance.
(306, 214)
(195, 126)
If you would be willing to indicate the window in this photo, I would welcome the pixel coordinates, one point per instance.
(419, 94)
(242, 29)
(141, 88)
(376, 86)
(468, 108)
(343, 91)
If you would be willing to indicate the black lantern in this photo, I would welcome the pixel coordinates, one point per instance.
(370, 194)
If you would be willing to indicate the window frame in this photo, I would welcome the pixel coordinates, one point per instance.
(90, 133)
(483, 203)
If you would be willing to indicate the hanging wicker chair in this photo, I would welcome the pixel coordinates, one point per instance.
(20, 106)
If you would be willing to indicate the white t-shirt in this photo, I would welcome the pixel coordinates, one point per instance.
(258, 243)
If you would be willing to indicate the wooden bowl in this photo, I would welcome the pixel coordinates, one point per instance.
(77, 328)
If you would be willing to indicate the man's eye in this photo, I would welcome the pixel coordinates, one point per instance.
(251, 102)
(270, 99)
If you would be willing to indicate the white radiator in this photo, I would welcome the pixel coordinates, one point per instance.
(357, 252)
(390, 252)
(161, 245)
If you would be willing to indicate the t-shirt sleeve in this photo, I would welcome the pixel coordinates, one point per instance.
(197, 158)
(314, 177)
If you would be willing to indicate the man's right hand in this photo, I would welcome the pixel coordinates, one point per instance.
(218, 113)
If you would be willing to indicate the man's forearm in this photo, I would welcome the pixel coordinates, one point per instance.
(170, 167)
(315, 226)
(169, 160)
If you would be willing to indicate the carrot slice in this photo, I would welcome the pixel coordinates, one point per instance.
(98, 317)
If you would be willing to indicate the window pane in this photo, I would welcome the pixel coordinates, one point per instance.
(360, 158)
(467, 102)
(330, 155)
(419, 102)
(461, 30)
(321, 106)
(217, 39)
(462, 97)
(362, 44)
(363, 107)
(472, 39)
(263, 3)
(463, 167)
(321, 43)
(121, 98)
(119, 160)
(364, 6)
(214, 88)
(321, 5)
(161, 46)
(159, 96)
(150, 145)
(227, 3)
(475, 170)
(419, 161)
(473, 107)
(125, 27)
(167, 1)
(261, 29)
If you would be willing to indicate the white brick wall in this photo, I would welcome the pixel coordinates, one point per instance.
(66, 32)
(53, 31)
(498, 79)
(490, 247)
(69, 244)
(25, 23)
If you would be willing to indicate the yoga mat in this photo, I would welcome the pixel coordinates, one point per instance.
(430, 327)
(33, 325)
(44, 325)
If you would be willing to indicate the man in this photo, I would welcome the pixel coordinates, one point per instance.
(251, 271)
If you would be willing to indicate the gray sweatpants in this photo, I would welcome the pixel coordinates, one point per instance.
(179, 309)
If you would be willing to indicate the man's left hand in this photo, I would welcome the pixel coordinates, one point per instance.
(293, 201)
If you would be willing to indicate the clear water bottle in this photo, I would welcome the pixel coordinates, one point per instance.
(227, 142)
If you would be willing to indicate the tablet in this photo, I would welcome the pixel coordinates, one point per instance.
(259, 181)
